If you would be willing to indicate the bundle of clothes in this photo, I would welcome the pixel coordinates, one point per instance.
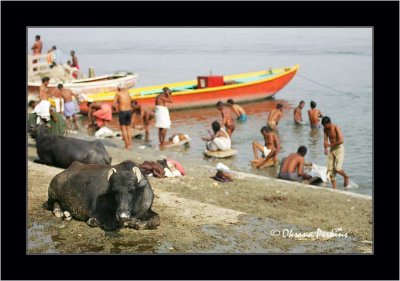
(162, 168)
(223, 174)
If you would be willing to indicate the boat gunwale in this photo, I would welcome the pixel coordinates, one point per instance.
(86, 83)
(135, 93)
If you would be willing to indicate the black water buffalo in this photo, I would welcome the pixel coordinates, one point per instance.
(105, 196)
(62, 151)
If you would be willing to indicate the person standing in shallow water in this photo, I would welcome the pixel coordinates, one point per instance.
(274, 117)
(314, 115)
(336, 154)
(227, 118)
(298, 118)
(239, 111)
(122, 103)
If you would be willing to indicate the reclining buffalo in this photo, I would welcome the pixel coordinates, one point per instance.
(61, 151)
(109, 197)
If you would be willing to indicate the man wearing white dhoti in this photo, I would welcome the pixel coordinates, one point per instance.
(163, 121)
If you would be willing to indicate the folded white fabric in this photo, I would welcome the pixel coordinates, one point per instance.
(222, 167)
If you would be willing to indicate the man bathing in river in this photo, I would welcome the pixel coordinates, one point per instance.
(274, 117)
(298, 118)
(122, 104)
(239, 111)
(69, 106)
(336, 154)
(219, 140)
(163, 121)
(145, 114)
(269, 151)
(292, 166)
(314, 115)
(227, 118)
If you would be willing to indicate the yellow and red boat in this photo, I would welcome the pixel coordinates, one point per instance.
(208, 90)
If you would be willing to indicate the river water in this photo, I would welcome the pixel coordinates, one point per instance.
(339, 58)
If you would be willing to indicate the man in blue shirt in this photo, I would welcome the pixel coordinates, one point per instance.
(57, 55)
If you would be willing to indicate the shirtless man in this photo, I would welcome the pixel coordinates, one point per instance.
(219, 140)
(42, 109)
(37, 46)
(336, 154)
(270, 150)
(144, 114)
(69, 106)
(43, 89)
(122, 103)
(239, 111)
(274, 117)
(227, 118)
(298, 118)
(314, 115)
(292, 166)
(163, 120)
(58, 100)
(74, 60)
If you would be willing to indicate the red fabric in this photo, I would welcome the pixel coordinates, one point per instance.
(178, 166)
(104, 113)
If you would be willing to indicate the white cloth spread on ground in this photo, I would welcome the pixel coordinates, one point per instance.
(220, 143)
(162, 117)
(42, 110)
(105, 132)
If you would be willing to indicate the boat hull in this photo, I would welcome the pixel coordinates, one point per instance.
(90, 86)
(210, 96)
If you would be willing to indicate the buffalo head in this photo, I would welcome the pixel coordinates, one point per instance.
(126, 187)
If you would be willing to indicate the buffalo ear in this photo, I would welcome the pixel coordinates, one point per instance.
(138, 173)
(110, 172)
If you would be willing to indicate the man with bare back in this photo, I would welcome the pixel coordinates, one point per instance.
(275, 116)
(269, 151)
(336, 154)
(145, 114)
(37, 46)
(314, 115)
(238, 110)
(122, 103)
(69, 107)
(292, 166)
(227, 118)
(163, 121)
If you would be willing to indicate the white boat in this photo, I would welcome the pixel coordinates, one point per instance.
(63, 74)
